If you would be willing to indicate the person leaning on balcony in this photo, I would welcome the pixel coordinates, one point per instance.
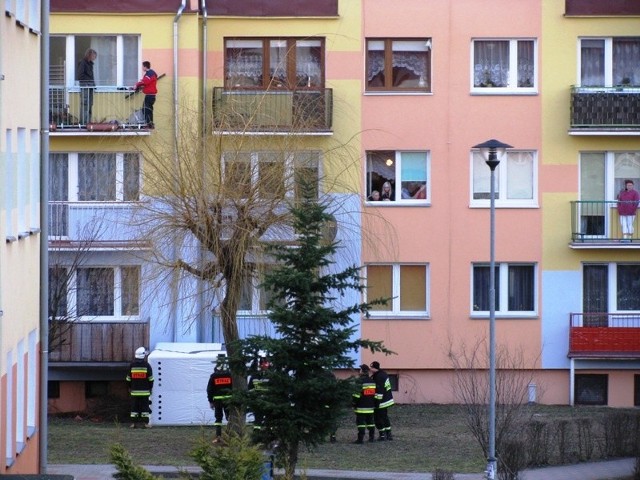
(627, 205)
(87, 84)
(148, 85)
(140, 380)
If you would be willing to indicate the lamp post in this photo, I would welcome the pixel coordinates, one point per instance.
(492, 150)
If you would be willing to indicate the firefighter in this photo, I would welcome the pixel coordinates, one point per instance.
(219, 391)
(364, 401)
(140, 380)
(384, 400)
(258, 383)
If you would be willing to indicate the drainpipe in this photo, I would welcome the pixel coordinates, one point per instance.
(203, 134)
(44, 232)
(174, 251)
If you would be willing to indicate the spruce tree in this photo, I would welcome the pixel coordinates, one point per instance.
(314, 336)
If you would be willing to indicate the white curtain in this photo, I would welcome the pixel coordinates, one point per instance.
(491, 64)
(626, 61)
(592, 63)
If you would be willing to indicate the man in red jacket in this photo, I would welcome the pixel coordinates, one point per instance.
(148, 85)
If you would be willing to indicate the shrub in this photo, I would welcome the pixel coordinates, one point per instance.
(127, 469)
(235, 459)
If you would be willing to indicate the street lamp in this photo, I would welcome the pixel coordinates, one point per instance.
(492, 150)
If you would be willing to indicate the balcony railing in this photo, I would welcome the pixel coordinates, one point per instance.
(93, 221)
(605, 109)
(98, 341)
(248, 325)
(597, 221)
(113, 110)
(272, 111)
(604, 335)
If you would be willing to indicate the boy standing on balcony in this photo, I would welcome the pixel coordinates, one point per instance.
(627, 205)
(148, 85)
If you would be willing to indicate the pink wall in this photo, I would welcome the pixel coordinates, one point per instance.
(449, 235)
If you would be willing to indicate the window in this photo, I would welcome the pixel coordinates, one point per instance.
(398, 176)
(606, 62)
(117, 63)
(399, 64)
(516, 180)
(53, 389)
(254, 297)
(515, 289)
(264, 63)
(406, 286)
(273, 175)
(96, 389)
(504, 65)
(591, 389)
(94, 177)
(611, 288)
(92, 292)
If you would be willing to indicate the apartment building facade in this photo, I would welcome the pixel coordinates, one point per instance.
(377, 103)
(20, 30)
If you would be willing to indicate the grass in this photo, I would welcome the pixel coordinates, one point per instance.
(426, 437)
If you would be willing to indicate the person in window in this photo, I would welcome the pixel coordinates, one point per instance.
(87, 84)
(386, 193)
(417, 192)
(627, 205)
(148, 86)
(374, 197)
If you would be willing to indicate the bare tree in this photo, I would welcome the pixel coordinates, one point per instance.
(514, 375)
(212, 204)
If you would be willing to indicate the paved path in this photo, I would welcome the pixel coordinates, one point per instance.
(582, 471)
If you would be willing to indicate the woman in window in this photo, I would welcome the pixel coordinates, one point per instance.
(386, 193)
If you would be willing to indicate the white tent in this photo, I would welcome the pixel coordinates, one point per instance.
(181, 372)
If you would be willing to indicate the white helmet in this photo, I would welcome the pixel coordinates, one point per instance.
(141, 352)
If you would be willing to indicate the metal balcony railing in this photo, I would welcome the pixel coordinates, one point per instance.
(248, 325)
(605, 335)
(98, 341)
(598, 221)
(605, 108)
(273, 111)
(116, 106)
(92, 221)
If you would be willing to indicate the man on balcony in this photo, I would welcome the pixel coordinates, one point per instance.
(87, 84)
(627, 205)
(148, 85)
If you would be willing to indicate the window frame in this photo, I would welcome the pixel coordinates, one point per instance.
(292, 81)
(607, 64)
(612, 285)
(388, 66)
(513, 69)
(502, 284)
(397, 171)
(117, 288)
(292, 161)
(502, 181)
(72, 57)
(73, 177)
(395, 302)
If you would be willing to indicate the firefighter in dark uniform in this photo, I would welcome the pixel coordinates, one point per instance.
(364, 401)
(219, 391)
(384, 400)
(258, 383)
(140, 380)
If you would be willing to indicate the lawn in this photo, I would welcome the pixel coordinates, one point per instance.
(426, 437)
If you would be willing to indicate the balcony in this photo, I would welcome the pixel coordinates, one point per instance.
(93, 224)
(595, 224)
(301, 112)
(248, 325)
(605, 111)
(604, 335)
(98, 342)
(115, 111)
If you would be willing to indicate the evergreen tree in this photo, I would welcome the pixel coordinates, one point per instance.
(303, 400)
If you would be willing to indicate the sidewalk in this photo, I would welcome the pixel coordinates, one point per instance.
(580, 471)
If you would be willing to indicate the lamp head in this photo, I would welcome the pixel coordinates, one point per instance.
(492, 150)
